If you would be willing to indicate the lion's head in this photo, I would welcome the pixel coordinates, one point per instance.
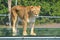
(35, 10)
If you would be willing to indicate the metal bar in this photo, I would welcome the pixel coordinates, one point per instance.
(30, 37)
(3, 14)
(37, 17)
(49, 16)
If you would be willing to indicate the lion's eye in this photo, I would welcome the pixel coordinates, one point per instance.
(33, 10)
(38, 9)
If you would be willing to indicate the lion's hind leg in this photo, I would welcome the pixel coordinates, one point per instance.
(14, 19)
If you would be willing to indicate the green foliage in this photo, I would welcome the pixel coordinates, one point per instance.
(3, 6)
(48, 8)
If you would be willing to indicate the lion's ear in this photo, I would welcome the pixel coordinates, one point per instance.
(39, 6)
(31, 7)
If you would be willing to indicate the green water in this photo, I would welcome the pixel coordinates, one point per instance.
(41, 32)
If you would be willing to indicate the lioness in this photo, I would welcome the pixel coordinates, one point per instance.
(27, 14)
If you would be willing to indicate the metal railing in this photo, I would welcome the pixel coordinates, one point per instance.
(37, 17)
(49, 16)
(9, 18)
(4, 14)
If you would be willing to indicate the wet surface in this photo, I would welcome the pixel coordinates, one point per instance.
(41, 32)
(6, 34)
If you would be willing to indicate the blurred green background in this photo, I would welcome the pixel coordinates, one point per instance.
(49, 8)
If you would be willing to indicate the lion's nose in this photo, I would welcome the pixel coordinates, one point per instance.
(35, 14)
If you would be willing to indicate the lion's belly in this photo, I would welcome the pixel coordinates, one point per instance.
(29, 20)
(32, 19)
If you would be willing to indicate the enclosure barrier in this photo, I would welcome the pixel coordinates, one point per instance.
(28, 38)
(49, 16)
(9, 17)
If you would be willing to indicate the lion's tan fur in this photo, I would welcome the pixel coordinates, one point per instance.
(24, 12)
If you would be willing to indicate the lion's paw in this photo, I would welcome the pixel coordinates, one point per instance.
(25, 33)
(34, 34)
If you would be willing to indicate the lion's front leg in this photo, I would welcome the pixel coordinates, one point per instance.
(32, 23)
(24, 27)
(32, 29)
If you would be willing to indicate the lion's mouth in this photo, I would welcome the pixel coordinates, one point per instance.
(36, 15)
